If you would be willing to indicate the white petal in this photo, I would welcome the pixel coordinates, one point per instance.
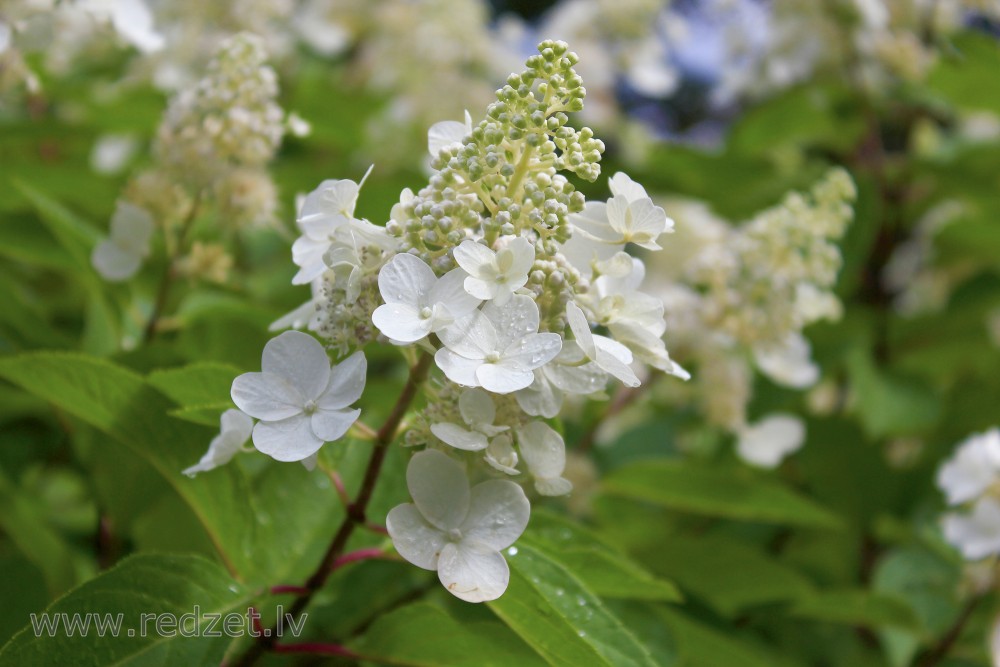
(501, 455)
(553, 486)
(582, 380)
(477, 260)
(522, 257)
(532, 351)
(450, 291)
(347, 383)
(330, 425)
(266, 396)
(473, 336)
(476, 407)
(540, 398)
(405, 279)
(457, 368)
(972, 469)
(290, 439)
(976, 534)
(618, 217)
(498, 514)
(113, 262)
(309, 462)
(439, 488)
(132, 228)
(459, 438)
(445, 134)
(770, 440)
(331, 197)
(503, 379)
(513, 320)
(236, 425)
(542, 449)
(621, 184)
(472, 572)
(581, 330)
(415, 540)
(401, 322)
(789, 363)
(300, 359)
(611, 356)
(648, 222)
(134, 22)
(485, 290)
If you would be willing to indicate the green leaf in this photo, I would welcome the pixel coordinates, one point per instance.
(100, 334)
(198, 385)
(858, 607)
(701, 645)
(24, 522)
(119, 403)
(600, 567)
(966, 76)
(562, 620)
(727, 574)
(143, 584)
(731, 494)
(423, 635)
(889, 405)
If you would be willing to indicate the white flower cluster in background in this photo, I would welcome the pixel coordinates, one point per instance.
(520, 291)
(738, 297)
(212, 149)
(970, 480)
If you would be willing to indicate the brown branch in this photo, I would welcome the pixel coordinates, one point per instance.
(355, 511)
(939, 651)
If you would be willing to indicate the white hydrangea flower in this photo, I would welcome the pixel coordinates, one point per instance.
(770, 440)
(788, 363)
(234, 430)
(299, 400)
(501, 455)
(973, 468)
(417, 302)
(977, 534)
(544, 452)
(456, 530)
(478, 412)
(119, 257)
(628, 217)
(448, 134)
(609, 355)
(495, 275)
(324, 218)
(497, 348)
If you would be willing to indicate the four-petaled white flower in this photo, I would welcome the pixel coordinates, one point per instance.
(495, 275)
(977, 534)
(974, 467)
(456, 530)
(300, 400)
(609, 355)
(544, 451)
(770, 440)
(118, 257)
(234, 431)
(497, 348)
(630, 216)
(324, 218)
(478, 412)
(417, 302)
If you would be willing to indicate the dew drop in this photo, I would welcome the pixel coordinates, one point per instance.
(512, 551)
(581, 633)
